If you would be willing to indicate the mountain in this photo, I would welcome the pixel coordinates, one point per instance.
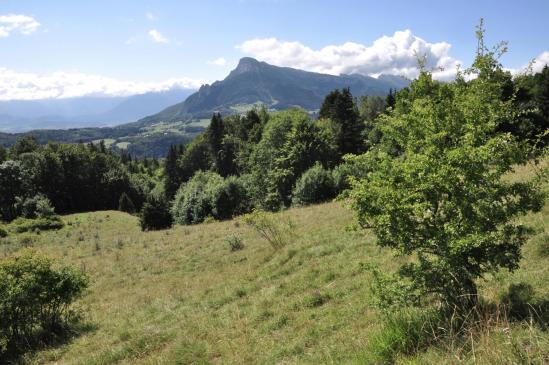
(254, 82)
(25, 115)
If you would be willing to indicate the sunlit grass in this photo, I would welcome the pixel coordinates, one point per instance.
(182, 296)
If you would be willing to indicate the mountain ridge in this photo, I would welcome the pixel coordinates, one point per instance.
(254, 82)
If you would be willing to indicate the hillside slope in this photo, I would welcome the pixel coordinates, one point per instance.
(254, 82)
(181, 297)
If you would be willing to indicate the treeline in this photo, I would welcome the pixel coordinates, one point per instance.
(258, 160)
(271, 161)
(73, 177)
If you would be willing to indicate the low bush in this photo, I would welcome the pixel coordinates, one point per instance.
(273, 230)
(36, 207)
(316, 185)
(235, 242)
(3, 232)
(21, 224)
(35, 298)
(208, 194)
(155, 214)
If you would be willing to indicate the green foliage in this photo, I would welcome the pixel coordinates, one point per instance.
(35, 295)
(155, 214)
(36, 207)
(235, 242)
(443, 198)
(193, 201)
(230, 198)
(13, 181)
(290, 145)
(3, 232)
(125, 204)
(340, 107)
(270, 228)
(316, 185)
(49, 223)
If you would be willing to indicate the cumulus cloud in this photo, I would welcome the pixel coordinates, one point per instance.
(393, 55)
(28, 86)
(158, 37)
(218, 62)
(14, 23)
(540, 61)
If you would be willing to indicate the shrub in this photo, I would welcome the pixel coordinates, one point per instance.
(21, 225)
(274, 231)
(125, 204)
(208, 194)
(229, 199)
(35, 296)
(235, 242)
(193, 200)
(155, 214)
(316, 185)
(36, 207)
(3, 232)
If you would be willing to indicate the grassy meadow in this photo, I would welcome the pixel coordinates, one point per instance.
(181, 296)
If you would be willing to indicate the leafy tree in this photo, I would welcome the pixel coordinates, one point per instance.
(316, 185)
(196, 157)
(3, 154)
(443, 199)
(125, 204)
(340, 107)
(13, 182)
(155, 214)
(193, 201)
(24, 145)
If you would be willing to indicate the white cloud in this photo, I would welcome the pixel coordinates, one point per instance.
(540, 61)
(27, 86)
(151, 16)
(218, 62)
(157, 36)
(13, 23)
(395, 55)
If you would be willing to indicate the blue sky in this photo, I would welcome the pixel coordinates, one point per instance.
(127, 46)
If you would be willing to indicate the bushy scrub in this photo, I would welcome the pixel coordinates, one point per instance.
(21, 225)
(208, 194)
(316, 185)
(230, 198)
(270, 228)
(3, 232)
(38, 206)
(193, 200)
(155, 214)
(35, 296)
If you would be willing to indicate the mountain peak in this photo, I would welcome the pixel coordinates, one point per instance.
(246, 64)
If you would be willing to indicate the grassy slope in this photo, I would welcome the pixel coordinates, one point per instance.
(180, 296)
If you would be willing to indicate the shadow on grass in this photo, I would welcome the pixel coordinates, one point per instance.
(522, 304)
(43, 340)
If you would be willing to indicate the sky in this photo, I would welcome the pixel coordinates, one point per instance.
(68, 48)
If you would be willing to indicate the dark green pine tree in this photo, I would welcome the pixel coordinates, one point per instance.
(125, 204)
(214, 139)
(172, 176)
(340, 107)
(391, 99)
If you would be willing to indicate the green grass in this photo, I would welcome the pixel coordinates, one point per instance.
(182, 297)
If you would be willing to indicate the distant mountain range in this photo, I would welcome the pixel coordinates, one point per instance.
(25, 115)
(183, 116)
(254, 83)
